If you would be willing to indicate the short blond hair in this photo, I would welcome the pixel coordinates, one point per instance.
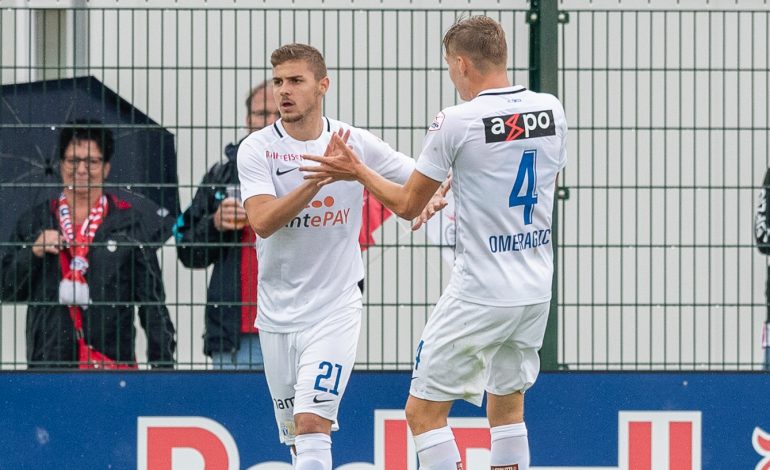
(481, 39)
(297, 51)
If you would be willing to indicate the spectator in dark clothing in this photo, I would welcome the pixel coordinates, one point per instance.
(79, 255)
(214, 231)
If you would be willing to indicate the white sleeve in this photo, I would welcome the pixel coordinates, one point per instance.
(382, 158)
(562, 133)
(253, 170)
(438, 151)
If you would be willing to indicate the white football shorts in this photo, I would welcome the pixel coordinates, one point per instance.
(307, 371)
(467, 348)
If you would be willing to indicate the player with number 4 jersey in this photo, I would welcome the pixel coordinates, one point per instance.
(504, 148)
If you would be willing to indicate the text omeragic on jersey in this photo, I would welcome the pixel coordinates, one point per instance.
(519, 241)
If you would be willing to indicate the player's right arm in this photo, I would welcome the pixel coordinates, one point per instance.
(406, 201)
(437, 202)
(267, 213)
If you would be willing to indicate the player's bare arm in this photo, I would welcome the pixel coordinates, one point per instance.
(267, 213)
(406, 201)
(436, 203)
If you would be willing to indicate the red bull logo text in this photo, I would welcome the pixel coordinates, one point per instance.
(168, 443)
(760, 439)
(665, 440)
(654, 440)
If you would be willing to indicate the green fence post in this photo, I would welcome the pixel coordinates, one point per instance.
(543, 19)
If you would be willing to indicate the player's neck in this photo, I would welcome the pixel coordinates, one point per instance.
(308, 127)
(489, 82)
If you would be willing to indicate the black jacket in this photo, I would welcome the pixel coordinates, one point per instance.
(200, 244)
(123, 274)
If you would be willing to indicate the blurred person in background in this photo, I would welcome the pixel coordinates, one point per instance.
(504, 147)
(80, 255)
(762, 236)
(214, 231)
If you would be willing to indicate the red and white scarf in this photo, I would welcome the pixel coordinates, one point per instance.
(73, 289)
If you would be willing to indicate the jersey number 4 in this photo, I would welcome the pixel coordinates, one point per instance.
(528, 172)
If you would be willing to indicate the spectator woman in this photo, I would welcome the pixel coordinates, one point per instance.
(80, 255)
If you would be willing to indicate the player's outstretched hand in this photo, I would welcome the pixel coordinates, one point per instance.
(436, 203)
(339, 162)
(333, 146)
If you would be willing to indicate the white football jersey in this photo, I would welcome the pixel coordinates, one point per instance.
(311, 266)
(505, 148)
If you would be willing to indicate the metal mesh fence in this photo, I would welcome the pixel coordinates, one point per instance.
(668, 140)
(191, 70)
(669, 137)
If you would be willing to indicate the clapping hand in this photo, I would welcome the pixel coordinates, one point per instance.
(436, 203)
(339, 162)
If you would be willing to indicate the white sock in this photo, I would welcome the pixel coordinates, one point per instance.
(510, 447)
(314, 452)
(437, 450)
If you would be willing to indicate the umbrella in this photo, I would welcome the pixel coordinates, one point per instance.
(143, 165)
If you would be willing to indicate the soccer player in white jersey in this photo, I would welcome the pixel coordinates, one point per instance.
(505, 147)
(310, 262)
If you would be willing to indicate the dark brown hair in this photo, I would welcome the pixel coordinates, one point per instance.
(296, 51)
(87, 129)
(479, 38)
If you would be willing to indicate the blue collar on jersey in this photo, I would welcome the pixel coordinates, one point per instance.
(278, 131)
(502, 92)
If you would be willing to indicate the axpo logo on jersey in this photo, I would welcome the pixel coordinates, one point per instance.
(520, 126)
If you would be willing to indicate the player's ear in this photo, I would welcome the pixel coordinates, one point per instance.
(323, 85)
(463, 64)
